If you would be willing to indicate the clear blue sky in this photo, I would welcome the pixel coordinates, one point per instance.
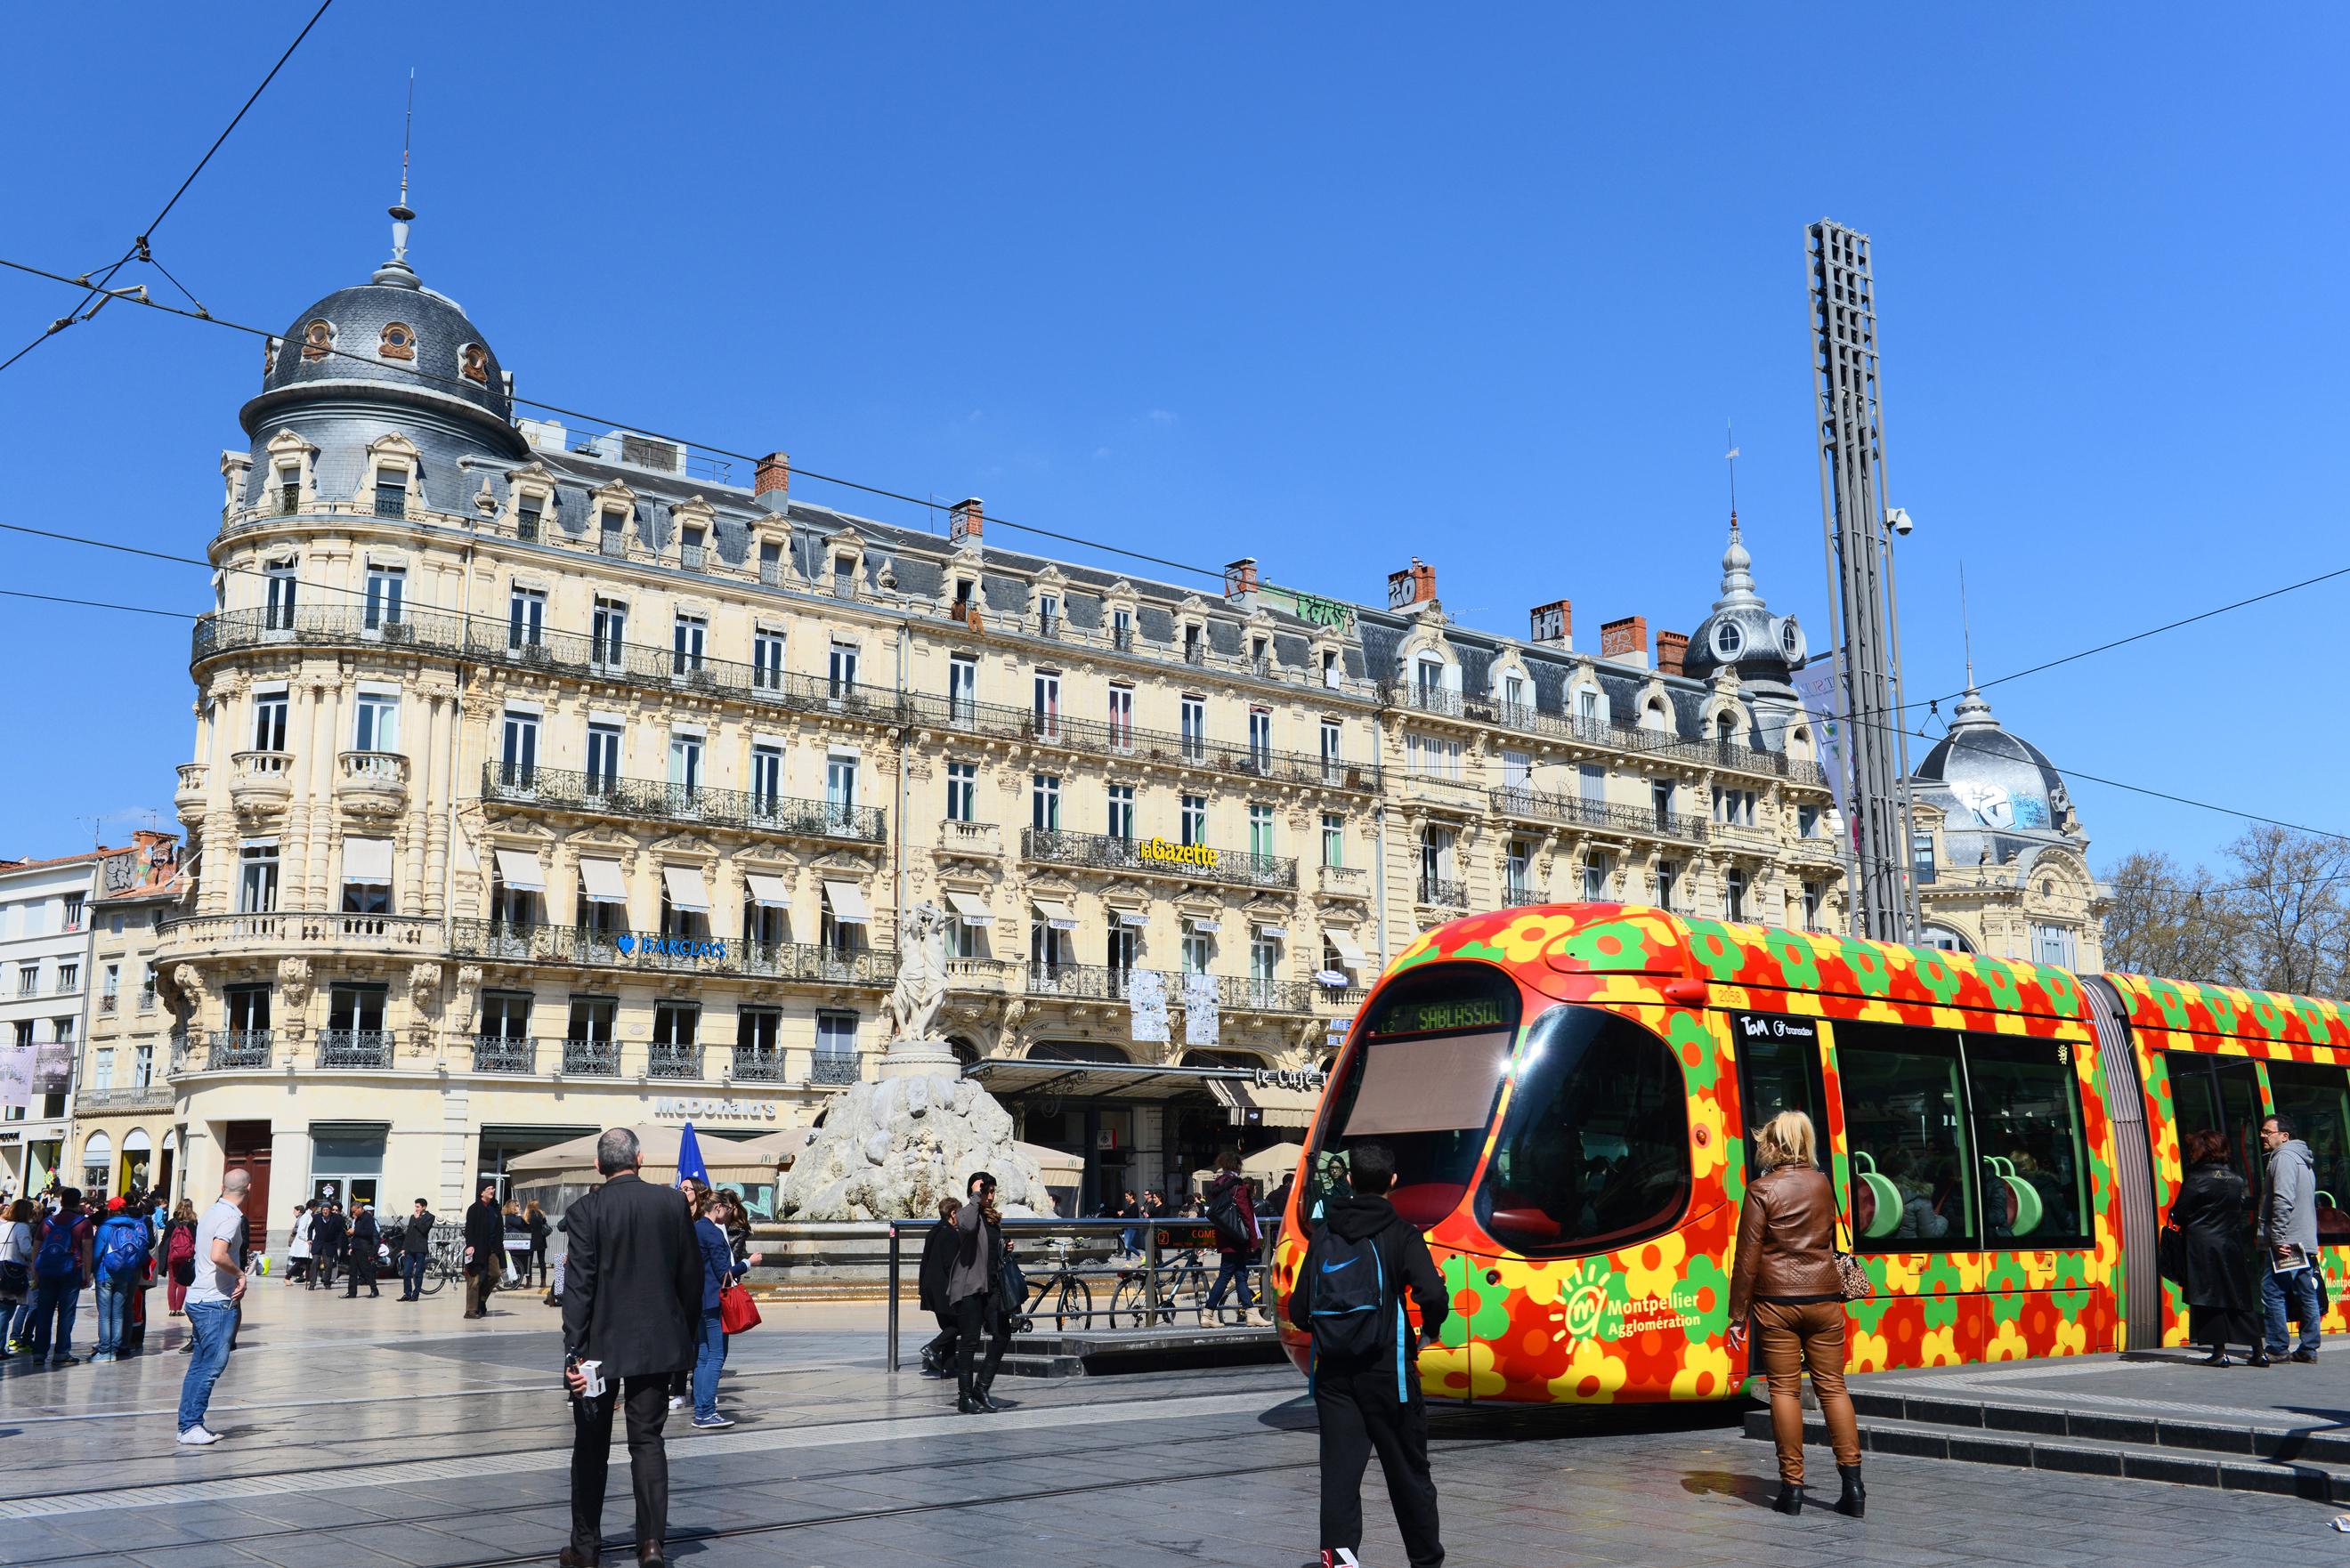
(1327, 286)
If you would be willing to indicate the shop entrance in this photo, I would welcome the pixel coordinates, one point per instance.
(244, 1145)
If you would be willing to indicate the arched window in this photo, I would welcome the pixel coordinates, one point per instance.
(474, 362)
(398, 342)
(318, 340)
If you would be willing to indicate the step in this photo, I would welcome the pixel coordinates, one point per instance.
(2076, 1455)
(2283, 1440)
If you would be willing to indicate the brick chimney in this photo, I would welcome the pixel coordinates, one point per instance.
(967, 519)
(1553, 622)
(1412, 587)
(1240, 577)
(772, 485)
(1672, 651)
(1626, 640)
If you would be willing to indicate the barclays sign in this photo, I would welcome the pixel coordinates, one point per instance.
(686, 947)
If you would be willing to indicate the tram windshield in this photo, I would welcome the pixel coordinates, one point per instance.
(1429, 1057)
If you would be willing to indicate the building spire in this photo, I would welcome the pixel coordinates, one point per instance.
(396, 273)
(1966, 626)
(1737, 576)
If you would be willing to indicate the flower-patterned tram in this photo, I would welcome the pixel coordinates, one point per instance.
(1569, 1091)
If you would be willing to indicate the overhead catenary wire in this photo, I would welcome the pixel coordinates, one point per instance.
(142, 247)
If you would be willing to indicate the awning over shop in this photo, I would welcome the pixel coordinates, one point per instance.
(729, 1159)
(1276, 1108)
(518, 869)
(767, 890)
(603, 881)
(848, 901)
(367, 860)
(1057, 915)
(686, 892)
(1090, 1080)
(969, 908)
(1350, 953)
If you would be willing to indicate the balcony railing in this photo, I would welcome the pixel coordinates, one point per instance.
(505, 1053)
(386, 771)
(1248, 994)
(1607, 816)
(604, 794)
(1443, 892)
(581, 947)
(673, 1059)
(834, 1067)
(1087, 981)
(367, 1049)
(757, 1064)
(131, 1097)
(976, 838)
(392, 503)
(1191, 863)
(289, 500)
(233, 1049)
(107, 1004)
(1622, 733)
(1100, 982)
(1159, 748)
(301, 929)
(591, 1058)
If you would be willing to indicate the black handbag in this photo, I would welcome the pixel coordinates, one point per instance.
(2170, 1254)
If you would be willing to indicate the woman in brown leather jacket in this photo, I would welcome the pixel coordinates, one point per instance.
(1785, 1274)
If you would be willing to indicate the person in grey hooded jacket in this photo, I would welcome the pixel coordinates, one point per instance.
(2289, 1231)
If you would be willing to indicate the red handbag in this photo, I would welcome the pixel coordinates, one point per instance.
(737, 1310)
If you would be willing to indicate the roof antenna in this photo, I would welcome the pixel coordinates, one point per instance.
(400, 213)
(1730, 457)
(1966, 626)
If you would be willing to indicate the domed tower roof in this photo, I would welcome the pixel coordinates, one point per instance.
(1987, 780)
(388, 338)
(1742, 632)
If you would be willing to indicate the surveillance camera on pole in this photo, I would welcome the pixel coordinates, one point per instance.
(1898, 521)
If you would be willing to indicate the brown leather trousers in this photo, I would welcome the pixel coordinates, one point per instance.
(1789, 1340)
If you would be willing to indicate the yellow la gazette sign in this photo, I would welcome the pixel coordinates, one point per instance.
(1167, 854)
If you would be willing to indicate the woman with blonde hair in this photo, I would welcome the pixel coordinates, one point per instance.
(1785, 1274)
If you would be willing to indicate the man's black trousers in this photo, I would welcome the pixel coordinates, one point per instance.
(1358, 1411)
(976, 1318)
(646, 1399)
(942, 1344)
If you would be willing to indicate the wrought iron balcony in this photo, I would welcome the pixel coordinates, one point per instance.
(1618, 732)
(369, 1049)
(1088, 982)
(757, 1064)
(834, 1067)
(1159, 748)
(391, 503)
(693, 557)
(505, 1053)
(673, 1059)
(1443, 892)
(1248, 994)
(611, 542)
(591, 1058)
(289, 499)
(582, 947)
(526, 525)
(235, 1049)
(1157, 857)
(607, 794)
(1607, 816)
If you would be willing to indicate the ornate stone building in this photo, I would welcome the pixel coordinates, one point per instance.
(546, 780)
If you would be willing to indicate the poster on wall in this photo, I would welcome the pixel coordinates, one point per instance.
(1199, 1009)
(16, 1076)
(1146, 999)
(53, 1067)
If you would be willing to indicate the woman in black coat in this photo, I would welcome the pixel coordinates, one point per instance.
(2214, 1272)
(937, 1261)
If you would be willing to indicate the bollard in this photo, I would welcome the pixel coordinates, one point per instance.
(893, 1295)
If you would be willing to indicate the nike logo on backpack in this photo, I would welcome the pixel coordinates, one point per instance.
(1333, 1268)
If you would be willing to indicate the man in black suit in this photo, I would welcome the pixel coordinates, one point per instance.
(631, 1302)
(485, 1256)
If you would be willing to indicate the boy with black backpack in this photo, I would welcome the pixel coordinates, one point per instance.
(124, 1247)
(1349, 1296)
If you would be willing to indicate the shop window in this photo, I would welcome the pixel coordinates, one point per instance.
(1913, 1162)
(2027, 1124)
(1594, 1153)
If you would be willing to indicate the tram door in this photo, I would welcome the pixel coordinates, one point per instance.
(2222, 1095)
(1778, 1070)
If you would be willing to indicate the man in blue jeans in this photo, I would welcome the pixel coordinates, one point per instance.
(61, 1272)
(214, 1304)
(2289, 1232)
(414, 1244)
(122, 1248)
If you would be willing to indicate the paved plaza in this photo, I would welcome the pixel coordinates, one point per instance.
(371, 1432)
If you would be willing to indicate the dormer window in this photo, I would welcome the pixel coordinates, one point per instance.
(473, 363)
(1121, 630)
(390, 492)
(529, 510)
(289, 489)
(1261, 654)
(1194, 648)
(1048, 614)
(771, 564)
(690, 555)
(610, 538)
(1330, 666)
(844, 576)
(318, 341)
(962, 595)
(398, 342)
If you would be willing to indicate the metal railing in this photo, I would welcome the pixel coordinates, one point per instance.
(392, 504)
(1616, 733)
(758, 1064)
(505, 1053)
(289, 499)
(591, 1058)
(1444, 892)
(232, 1049)
(607, 795)
(673, 1059)
(834, 1067)
(1102, 737)
(1538, 805)
(369, 1049)
(1192, 863)
(584, 947)
(1104, 982)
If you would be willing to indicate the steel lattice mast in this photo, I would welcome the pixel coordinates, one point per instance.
(1854, 524)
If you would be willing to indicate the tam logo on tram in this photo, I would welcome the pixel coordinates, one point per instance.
(1569, 1091)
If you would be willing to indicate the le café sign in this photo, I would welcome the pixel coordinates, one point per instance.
(1311, 1080)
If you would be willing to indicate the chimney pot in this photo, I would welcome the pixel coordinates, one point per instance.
(1553, 622)
(1672, 652)
(1626, 640)
(1240, 577)
(771, 486)
(966, 519)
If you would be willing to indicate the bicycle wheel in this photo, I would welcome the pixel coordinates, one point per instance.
(1075, 1306)
(1129, 1305)
(432, 1280)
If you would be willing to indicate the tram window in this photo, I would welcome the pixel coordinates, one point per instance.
(1594, 1153)
(1420, 1075)
(1778, 1070)
(1913, 1172)
(2220, 1094)
(2027, 1116)
(2317, 1099)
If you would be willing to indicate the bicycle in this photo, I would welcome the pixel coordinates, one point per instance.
(1071, 1297)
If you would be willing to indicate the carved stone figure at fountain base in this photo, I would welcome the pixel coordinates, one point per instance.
(891, 1149)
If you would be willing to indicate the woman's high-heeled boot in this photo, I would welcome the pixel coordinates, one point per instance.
(1854, 1501)
(1791, 1496)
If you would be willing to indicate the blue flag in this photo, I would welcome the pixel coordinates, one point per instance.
(689, 1158)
